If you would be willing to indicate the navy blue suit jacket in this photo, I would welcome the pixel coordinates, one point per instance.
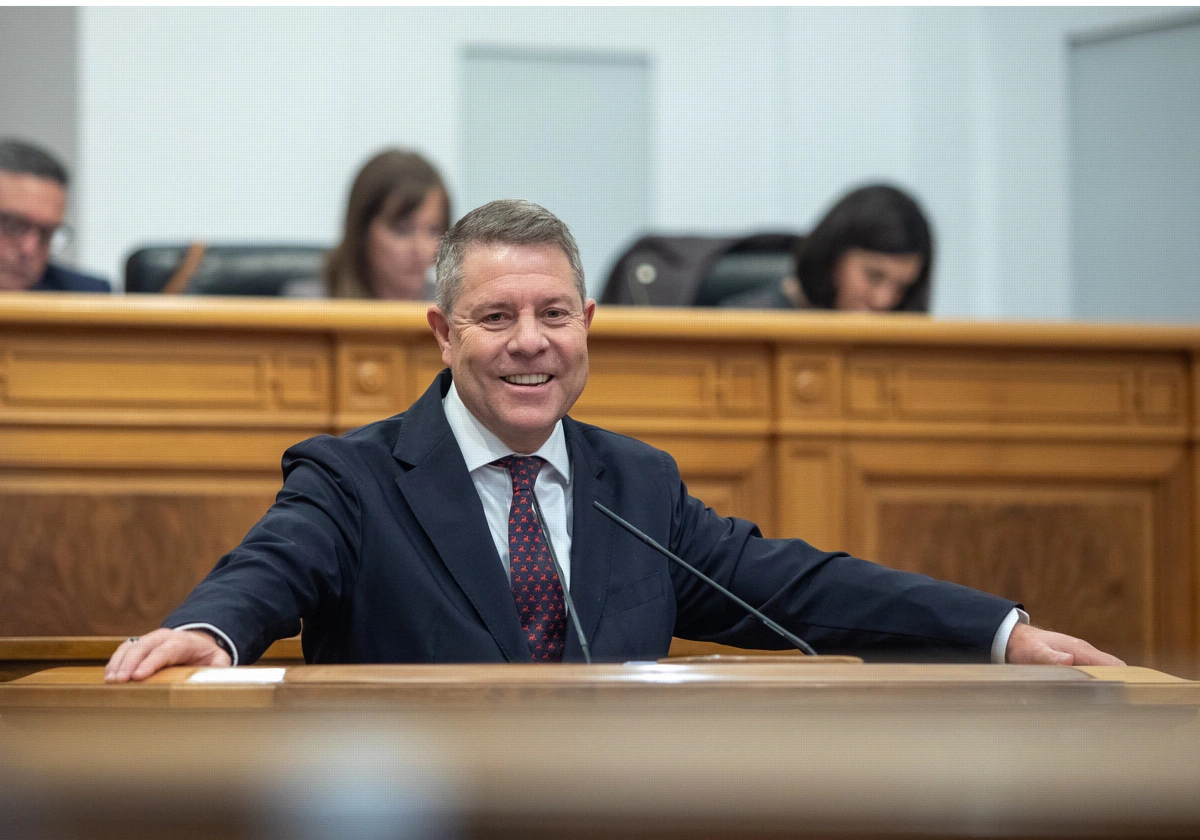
(59, 279)
(378, 541)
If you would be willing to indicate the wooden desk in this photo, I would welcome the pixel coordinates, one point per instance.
(27, 655)
(793, 683)
(1056, 464)
(772, 750)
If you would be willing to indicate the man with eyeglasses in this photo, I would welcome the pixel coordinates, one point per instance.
(33, 201)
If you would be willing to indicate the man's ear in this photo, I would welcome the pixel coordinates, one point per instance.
(441, 331)
(589, 310)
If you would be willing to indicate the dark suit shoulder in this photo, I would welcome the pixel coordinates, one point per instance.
(369, 443)
(615, 448)
(601, 437)
(59, 279)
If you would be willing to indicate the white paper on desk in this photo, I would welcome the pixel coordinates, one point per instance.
(238, 676)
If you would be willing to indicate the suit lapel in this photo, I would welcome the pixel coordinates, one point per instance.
(591, 538)
(443, 500)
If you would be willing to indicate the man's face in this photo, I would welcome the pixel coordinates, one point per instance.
(517, 340)
(36, 206)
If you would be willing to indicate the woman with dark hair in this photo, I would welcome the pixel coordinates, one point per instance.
(395, 218)
(872, 252)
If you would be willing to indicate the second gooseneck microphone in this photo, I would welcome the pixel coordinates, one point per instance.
(648, 540)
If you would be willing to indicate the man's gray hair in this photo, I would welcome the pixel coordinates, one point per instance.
(23, 158)
(509, 221)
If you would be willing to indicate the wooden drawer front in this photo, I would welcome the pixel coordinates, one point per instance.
(1017, 389)
(676, 382)
(162, 377)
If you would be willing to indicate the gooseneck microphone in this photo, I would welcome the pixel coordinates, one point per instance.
(648, 540)
(537, 512)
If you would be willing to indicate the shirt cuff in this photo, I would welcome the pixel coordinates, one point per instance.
(1000, 643)
(226, 644)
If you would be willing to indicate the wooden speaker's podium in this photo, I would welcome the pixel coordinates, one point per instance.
(709, 682)
(785, 747)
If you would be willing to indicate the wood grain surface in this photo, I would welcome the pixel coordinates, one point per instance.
(1054, 463)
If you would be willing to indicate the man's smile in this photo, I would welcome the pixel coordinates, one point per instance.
(527, 378)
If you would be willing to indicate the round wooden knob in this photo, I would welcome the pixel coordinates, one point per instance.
(370, 377)
(807, 385)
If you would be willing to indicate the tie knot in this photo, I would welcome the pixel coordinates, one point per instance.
(524, 469)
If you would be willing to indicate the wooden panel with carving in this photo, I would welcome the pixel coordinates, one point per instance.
(373, 381)
(122, 447)
(809, 384)
(670, 387)
(384, 378)
(425, 363)
(1061, 460)
(733, 476)
(809, 503)
(105, 562)
(1005, 387)
(1092, 539)
(159, 376)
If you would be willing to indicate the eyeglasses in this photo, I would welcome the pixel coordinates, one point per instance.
(15, 227)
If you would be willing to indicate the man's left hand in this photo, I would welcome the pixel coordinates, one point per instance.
(1029, 645)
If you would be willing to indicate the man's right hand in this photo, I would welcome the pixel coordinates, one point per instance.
(137, 659)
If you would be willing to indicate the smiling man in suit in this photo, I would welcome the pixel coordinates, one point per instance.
(422, 537)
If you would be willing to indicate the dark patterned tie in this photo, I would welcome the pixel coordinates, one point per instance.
(535, 584)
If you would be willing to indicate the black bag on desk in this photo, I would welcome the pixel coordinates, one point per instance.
(698, 270)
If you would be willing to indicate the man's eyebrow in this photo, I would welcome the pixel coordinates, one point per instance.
(563, 301)
(560, 300)
(490, 304)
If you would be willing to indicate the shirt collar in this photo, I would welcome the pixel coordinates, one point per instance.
(480, 447)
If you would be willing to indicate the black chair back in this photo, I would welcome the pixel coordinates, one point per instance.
(698, 270)
(225, 269)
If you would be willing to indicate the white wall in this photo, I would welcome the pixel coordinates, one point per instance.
(38, 79)
(246, 124)
(1135, 173)
(1031, 228)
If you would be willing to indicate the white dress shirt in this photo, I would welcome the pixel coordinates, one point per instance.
(494, 485)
